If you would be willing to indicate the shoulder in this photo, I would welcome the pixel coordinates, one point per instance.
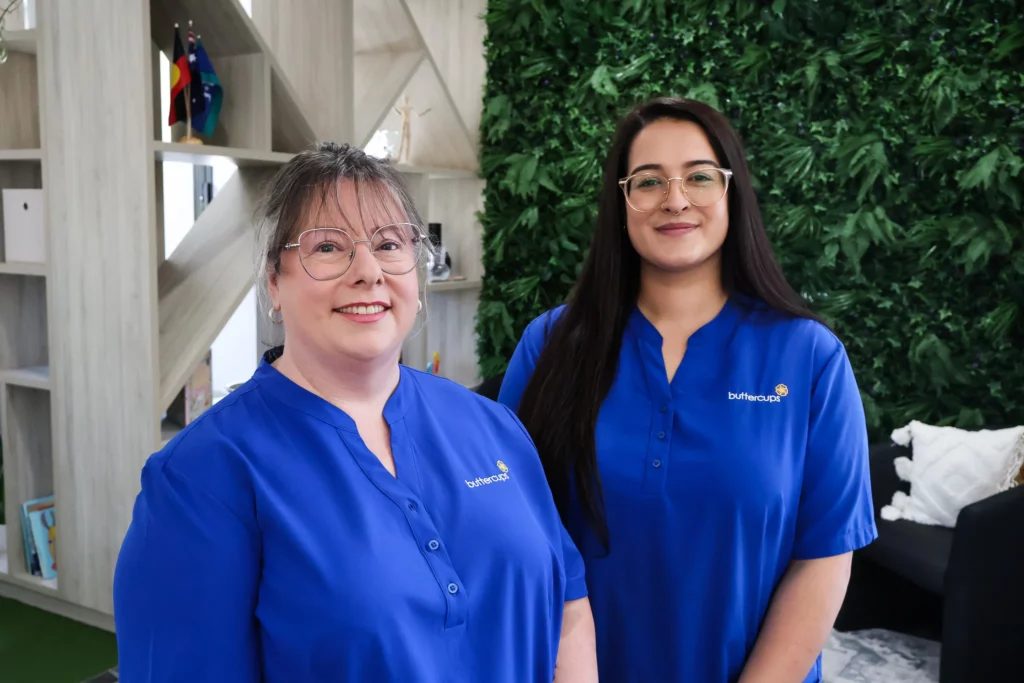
(464, 405)
(536, 332)
(208, 455)
(791, 337)
(435, 390)
(524, 358)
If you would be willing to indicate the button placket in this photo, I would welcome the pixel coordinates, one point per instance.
(659, 444)
(427, 537)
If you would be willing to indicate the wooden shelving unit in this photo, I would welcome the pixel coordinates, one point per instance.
(97, 341)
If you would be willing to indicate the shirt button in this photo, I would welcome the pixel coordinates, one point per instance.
(664, 408)
(452, 588)
(412, 505)
(661, 435)
(656, 463)
(433, 545)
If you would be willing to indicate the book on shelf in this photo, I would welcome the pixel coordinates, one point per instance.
(39, 532)
(195, 397)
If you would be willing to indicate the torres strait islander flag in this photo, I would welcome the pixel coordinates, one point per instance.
(181, 75)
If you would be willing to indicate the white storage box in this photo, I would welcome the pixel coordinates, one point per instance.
(24, 234)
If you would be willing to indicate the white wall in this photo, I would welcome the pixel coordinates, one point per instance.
(234, 351)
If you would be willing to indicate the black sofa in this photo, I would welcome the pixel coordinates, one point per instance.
(962, 586)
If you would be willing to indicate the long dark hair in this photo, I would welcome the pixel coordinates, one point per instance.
(575, 371)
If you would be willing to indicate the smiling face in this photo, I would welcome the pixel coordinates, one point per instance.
(366, 313)
(676, 234)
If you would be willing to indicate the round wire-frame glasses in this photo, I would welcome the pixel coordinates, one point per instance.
(327, 253)
(646, 191)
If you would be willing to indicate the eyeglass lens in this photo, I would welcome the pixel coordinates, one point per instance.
(326, 253)
(703, 187)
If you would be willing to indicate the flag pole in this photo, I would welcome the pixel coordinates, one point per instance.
(189, 138)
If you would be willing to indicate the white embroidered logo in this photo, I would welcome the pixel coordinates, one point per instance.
(493, 479)
(781, 390)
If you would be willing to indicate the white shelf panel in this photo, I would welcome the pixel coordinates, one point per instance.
(208, 155)
(35, 583)
(37, 377)
(452, 285)
(437, 172)
(21, 154)
(33, 269)
(21, 41)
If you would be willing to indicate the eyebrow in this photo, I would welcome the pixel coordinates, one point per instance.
(659, 167)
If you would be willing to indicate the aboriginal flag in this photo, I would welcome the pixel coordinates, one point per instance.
(181, 75)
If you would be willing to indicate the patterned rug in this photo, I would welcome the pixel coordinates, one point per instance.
(877, 656)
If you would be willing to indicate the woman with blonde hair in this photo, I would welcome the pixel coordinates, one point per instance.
(340, 517)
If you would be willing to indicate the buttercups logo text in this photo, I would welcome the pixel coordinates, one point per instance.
(781, 390)
(493, 479)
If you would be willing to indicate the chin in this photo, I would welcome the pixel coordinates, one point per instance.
(678, 264)
(367, 352)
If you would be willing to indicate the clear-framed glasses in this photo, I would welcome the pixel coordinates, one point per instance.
(327, 253)
(648, 190)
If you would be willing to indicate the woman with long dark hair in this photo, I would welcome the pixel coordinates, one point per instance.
(701, 430)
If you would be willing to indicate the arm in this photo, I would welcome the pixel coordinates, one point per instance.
(835, 516)
(577, 648)
(185, 586)
(799, 620)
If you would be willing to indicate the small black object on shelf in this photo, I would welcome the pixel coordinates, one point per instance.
(439, 270)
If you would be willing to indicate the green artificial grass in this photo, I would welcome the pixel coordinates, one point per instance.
(40, 647)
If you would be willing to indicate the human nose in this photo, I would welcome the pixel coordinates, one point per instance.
(365, 268)
(675, 198)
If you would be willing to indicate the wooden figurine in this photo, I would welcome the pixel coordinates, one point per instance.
(406, 111)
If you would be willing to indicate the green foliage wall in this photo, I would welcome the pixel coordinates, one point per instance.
(886, 141)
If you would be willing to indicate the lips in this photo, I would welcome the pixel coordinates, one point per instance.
(363, 309)
(676, 228)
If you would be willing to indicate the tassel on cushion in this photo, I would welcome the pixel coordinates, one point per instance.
(891, 513)
(904, 468)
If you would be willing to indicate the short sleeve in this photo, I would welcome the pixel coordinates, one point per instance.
(185, 585)
(524, 360)
(575, 570)
(836, 514)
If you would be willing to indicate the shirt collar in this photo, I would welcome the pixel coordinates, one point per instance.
(280, 388)
(713, 334)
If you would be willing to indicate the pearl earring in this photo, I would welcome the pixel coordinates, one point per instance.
(419, 305)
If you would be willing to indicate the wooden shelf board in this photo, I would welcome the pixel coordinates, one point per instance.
(453, 285)
(27, 154)
(31, 269)
(37, 377)
(437, 172)
(23, 40)
(224, 26)
(31, 582)
(206, 155)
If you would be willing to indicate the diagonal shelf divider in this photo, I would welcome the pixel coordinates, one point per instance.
(380, 79)
(205, 279)
(440, 76)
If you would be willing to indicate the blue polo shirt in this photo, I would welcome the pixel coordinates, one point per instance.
(268, 544)
(754, 455)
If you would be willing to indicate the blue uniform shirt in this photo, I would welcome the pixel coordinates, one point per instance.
(269, 544)
(754, 455)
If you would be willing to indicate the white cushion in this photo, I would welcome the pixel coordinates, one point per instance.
(951, 468)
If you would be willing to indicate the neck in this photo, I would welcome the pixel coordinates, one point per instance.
(343, 382)
(682, 300)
